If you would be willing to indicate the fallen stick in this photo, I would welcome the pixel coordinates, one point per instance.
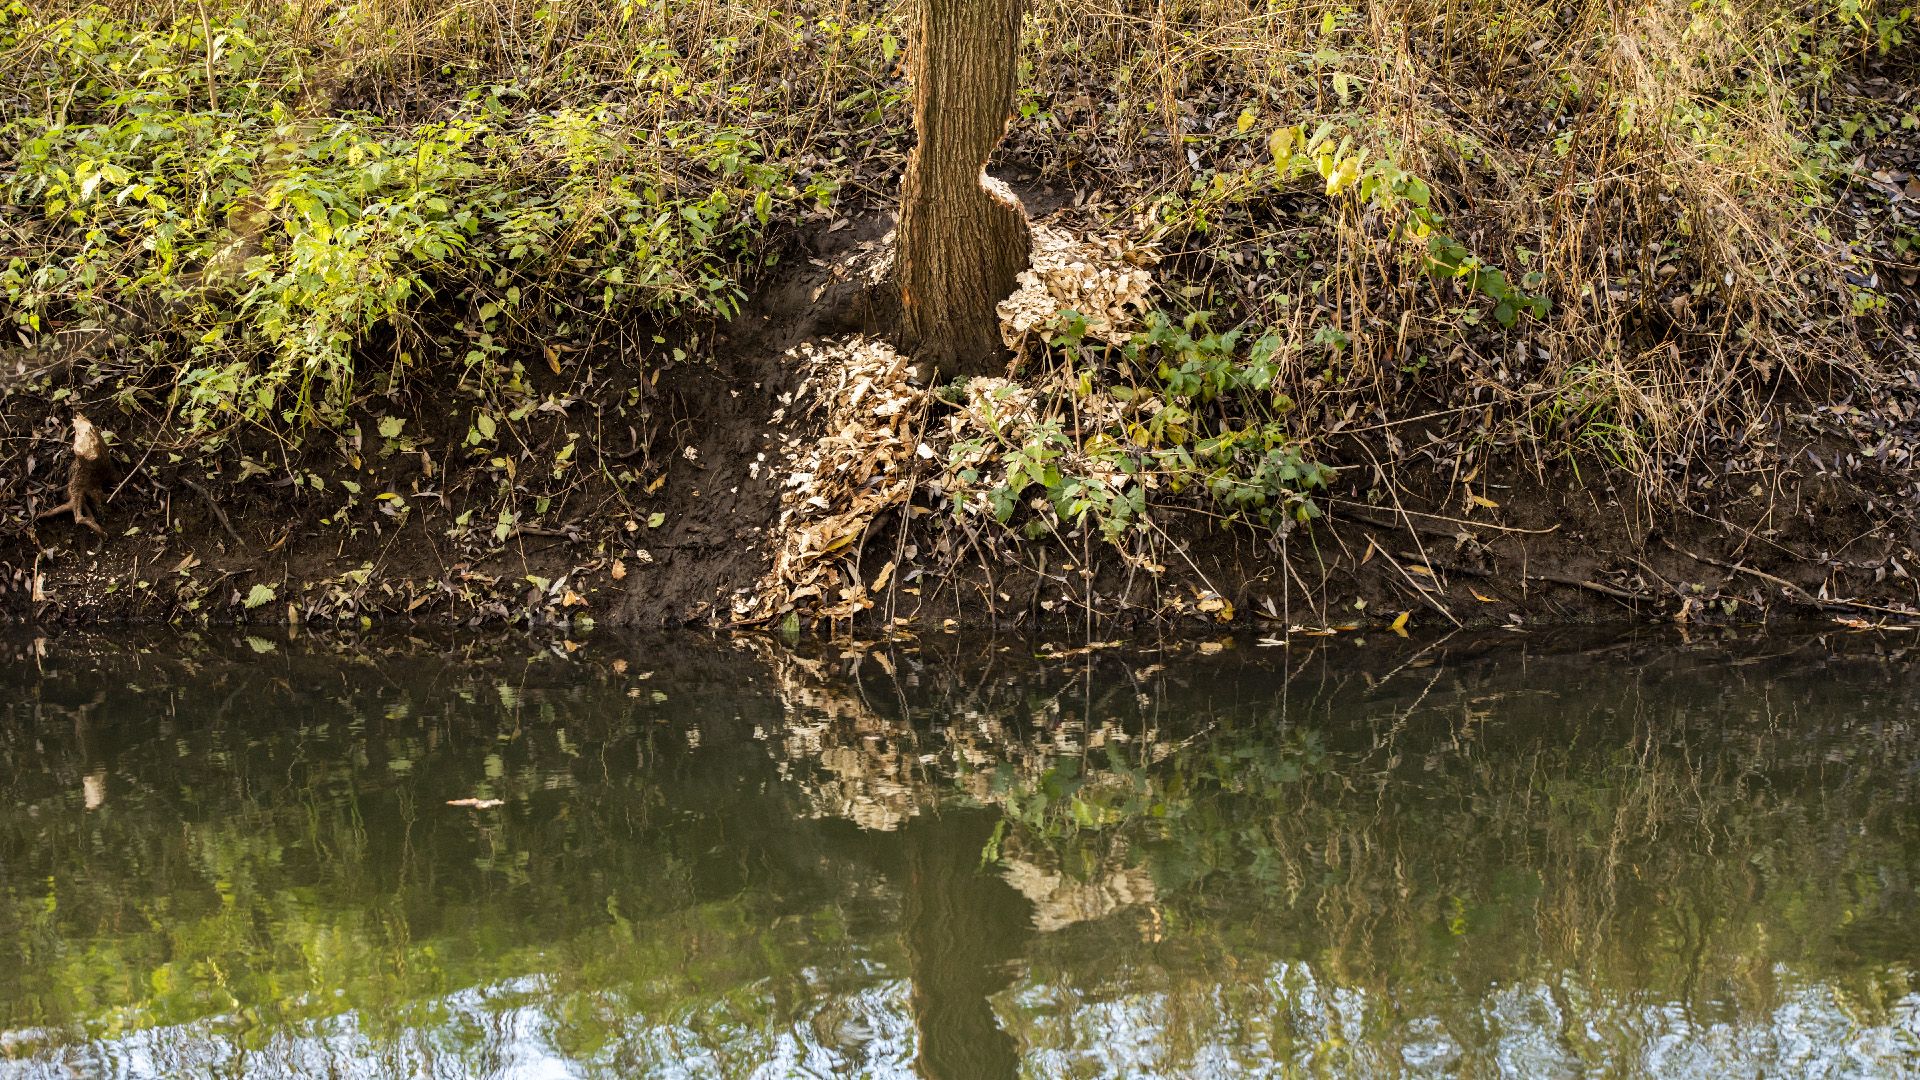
(1428, 529)
(1418, 591)
(1444, 567)
(1793, 592)
(1594, 586)
(218, 513)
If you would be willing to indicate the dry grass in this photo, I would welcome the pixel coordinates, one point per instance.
(1650, 163)
(1654, 166)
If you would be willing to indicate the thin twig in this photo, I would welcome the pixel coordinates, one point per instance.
(219, 514)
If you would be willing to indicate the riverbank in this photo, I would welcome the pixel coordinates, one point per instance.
(1383, 326)
(658, 501)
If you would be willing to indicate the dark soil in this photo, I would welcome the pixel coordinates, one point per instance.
(1807, 523)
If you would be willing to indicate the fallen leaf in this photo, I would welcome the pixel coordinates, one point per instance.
(1482, 599)
(655, 486)
(619, 570)
(1401, 622)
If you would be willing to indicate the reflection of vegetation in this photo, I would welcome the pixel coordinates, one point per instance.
(1607, 855)
(1338, 875)
(272, 850)
(1721, 842)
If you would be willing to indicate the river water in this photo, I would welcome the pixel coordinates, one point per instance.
(959, 858)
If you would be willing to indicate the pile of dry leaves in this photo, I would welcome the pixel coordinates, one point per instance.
(836, 483)
(873, 431)
(1103, 278)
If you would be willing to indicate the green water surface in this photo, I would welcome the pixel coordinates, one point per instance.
(1526, 856)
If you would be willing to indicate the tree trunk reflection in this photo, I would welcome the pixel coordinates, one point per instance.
(964, 929)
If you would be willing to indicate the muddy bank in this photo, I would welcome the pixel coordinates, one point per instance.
(647, 478)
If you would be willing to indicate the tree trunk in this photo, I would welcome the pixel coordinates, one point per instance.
(959, 246)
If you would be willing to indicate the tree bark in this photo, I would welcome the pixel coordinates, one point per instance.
(959, 246)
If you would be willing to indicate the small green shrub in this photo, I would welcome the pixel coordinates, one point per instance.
(266, 251)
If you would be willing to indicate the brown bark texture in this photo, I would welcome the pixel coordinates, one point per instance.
(959, 247)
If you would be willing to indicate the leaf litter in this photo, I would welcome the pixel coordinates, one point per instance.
(875, 434)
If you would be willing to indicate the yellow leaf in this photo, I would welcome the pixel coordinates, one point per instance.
(655, 486)
(1401, 622)
(553, 358)
(1482, 599)
(1282, 144)
(1475, 500)
(1245, 121)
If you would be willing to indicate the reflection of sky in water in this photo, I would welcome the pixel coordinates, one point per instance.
(1283, 1022)
(1291, 1023)
(518, 1030)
